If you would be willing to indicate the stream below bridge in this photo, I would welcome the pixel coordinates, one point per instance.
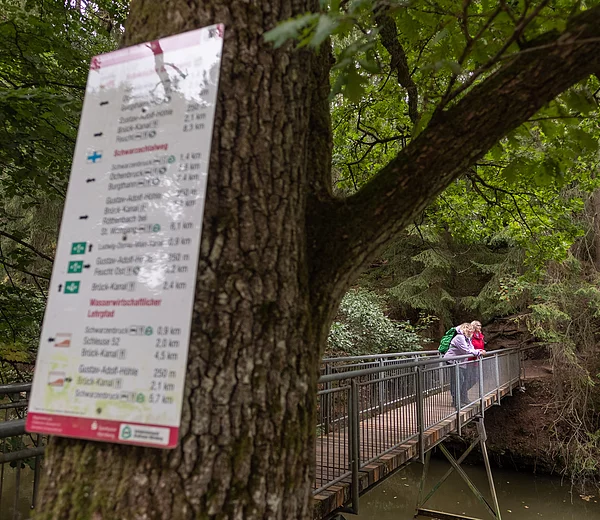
(522, 496)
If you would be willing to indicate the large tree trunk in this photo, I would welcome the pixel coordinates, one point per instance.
(248, 427)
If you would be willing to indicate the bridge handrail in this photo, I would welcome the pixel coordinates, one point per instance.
(328, 378)
(23, 447)
(14, 388)
(380, 356)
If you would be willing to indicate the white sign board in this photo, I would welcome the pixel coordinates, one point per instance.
(113, 351)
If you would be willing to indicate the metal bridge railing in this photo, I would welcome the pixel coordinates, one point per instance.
(344, 364)
(368, 410)
(367, 406)
(20, 454)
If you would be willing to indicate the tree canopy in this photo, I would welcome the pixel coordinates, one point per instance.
(45, 48)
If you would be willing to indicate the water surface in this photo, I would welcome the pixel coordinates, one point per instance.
(522, 496)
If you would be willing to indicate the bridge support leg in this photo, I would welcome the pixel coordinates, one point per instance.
(493, 509)
(423, 479)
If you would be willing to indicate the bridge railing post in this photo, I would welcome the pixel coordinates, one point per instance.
(497, 378)
(481, 392)
(420, 413)
(457, 392)
(326, 403)
(354, 448)
(36, 473)
(381, 386)
(509, 360)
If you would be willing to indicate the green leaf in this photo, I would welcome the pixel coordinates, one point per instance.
(552, 129)
(370, 66)
(587, 141)
(547, 172)
(580, 102)
(354, 88)
(357, 6)
(289, 30)
(344, 27)
(513, 169)
(454, 67)
(440, 36)
(497, 152)
(325, 28)
(423, 122)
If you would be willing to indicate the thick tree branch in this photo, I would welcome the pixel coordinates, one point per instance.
(388, 33)
(350, 232)
(28, 246)
(23, 270)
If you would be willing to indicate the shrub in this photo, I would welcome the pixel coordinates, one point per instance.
(361, 327)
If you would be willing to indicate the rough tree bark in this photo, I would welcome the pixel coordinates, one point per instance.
(277, 254)
(596, 227)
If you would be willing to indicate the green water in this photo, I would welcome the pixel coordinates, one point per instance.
(522, 496)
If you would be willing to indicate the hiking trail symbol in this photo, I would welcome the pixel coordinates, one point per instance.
(94, 157)
(62, 339)
(78, 248)
(75, 267)
(72, 287)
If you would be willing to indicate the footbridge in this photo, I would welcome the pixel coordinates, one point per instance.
(375, 414)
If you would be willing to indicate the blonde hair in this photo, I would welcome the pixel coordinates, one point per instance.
(476, 323)
(466, 328)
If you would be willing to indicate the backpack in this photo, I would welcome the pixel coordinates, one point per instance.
(446, 339)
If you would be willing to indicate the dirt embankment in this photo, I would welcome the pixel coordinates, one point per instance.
(520, 430)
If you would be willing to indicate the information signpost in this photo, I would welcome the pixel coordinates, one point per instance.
(113, 350)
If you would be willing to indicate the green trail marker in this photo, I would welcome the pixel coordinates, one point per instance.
(71, 287)
(78, 248)
(75, 267)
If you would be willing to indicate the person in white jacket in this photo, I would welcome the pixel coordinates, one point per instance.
(460, 346)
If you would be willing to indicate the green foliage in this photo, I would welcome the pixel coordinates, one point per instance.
(295, 29)
(362, 327)
(451, 45)
(565, 315)
(45, 50)
(523, 185)
(429, 272)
